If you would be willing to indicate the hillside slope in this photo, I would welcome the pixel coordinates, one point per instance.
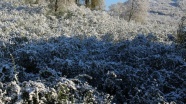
(88, 56)
(165, 11)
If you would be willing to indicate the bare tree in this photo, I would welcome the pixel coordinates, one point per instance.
(116, 9)
(136, 10)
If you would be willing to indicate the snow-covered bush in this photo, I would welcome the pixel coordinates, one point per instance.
(118, 69)
(88, 57)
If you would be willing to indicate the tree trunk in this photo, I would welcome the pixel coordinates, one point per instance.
(56, 5)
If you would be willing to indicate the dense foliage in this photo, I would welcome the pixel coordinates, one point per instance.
(86, 56)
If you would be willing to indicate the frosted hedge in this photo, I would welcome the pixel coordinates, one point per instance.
(87, 56)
